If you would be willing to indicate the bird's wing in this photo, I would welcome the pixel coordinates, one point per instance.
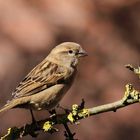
(43, 76)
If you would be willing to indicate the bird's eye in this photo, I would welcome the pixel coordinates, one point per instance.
(70, 51)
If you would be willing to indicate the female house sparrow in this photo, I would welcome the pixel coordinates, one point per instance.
(47, 83)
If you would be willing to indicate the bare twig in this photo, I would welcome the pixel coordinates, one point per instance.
(135, 70)
(77, 113)
(131, 96)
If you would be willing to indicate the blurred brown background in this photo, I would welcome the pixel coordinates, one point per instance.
(108, 30)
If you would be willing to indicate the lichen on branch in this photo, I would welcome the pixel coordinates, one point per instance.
(77, 112)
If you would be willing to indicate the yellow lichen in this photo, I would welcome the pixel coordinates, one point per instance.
(47, 126)
(83, 113)
(11, 134)
(130, 93)
(74, 109)
(77, 113)
(71, 118)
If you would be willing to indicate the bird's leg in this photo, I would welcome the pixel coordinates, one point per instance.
(53, 115)
(32, 115)
(34, 123)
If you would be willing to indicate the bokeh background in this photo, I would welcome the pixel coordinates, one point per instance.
(108, 30)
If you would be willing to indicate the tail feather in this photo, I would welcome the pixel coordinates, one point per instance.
(7, 107)
(12, 104)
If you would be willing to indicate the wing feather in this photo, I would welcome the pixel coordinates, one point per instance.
(44, 75)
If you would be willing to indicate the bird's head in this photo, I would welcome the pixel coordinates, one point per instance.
(67, 53)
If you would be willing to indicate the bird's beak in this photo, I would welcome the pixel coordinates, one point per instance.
(82, 53)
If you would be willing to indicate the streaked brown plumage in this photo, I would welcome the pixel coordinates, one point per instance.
(48, 82)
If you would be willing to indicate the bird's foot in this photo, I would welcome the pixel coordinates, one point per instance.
(53, 115)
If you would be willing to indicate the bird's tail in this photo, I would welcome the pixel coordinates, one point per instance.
(6, 107)
(12, 104)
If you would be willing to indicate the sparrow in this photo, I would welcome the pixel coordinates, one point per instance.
(48, 82)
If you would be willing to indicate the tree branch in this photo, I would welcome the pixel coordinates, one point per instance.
(77, 113)
(68, 134)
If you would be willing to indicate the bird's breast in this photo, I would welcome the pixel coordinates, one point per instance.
(50, 97)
